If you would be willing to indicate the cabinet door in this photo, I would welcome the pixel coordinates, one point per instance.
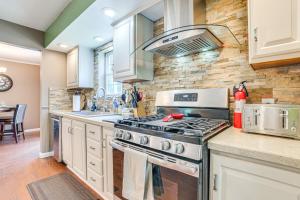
(67, 142)
(274, 30)
(234, 179)
(72, 68)
(124, 45)
(79, 148)
(108, 162)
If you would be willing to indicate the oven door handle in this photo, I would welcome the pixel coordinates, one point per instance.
(181, 166)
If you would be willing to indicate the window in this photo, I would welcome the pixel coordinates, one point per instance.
(112, 88)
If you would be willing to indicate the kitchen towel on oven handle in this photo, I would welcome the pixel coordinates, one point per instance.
(137, 176)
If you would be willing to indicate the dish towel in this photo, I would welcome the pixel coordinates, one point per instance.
(149, 190)
(137, 176)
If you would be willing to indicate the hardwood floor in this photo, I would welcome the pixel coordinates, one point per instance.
(20, 165)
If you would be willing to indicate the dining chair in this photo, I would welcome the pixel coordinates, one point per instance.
(16, 123)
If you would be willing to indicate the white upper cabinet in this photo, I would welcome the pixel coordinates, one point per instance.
(131, 65)
(80, 68)
(237, 179)
(274, 32)
(123, 47)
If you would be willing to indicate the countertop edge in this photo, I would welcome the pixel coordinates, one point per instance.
(103, 123)
(264, 153)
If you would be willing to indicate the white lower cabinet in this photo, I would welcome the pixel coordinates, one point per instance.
(239, 179)
(67, 141)
(108, 163)
(95, 180)
(95, 157)
(79, 148)
(74, 146)
(87, 152)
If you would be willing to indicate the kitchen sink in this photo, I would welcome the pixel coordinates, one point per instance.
(87, 113)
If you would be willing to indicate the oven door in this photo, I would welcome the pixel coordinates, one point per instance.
(180, 179)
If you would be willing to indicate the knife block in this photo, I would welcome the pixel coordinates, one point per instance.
(140, 110)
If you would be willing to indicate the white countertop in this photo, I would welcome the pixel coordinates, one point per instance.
(267, 148)
(105, 120)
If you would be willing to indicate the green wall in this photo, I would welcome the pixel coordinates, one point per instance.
(70, 13)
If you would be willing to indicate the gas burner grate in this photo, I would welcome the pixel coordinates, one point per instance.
(187, 127)
(195, 127)
(137, 121)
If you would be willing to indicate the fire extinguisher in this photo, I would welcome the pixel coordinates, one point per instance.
(240, 95)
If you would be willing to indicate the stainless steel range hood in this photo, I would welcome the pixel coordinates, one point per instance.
(186, 31)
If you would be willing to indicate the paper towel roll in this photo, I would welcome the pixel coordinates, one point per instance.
(76, 103)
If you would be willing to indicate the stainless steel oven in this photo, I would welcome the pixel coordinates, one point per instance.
(177, 147)
(180, 178)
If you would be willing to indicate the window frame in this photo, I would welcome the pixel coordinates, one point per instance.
(102, 63)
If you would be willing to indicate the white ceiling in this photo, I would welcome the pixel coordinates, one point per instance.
(93, 22)
(37, 14)
(20, 55)
(155, 12)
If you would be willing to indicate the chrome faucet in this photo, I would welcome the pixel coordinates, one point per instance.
(103, 93)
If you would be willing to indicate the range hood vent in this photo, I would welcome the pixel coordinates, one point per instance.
(182, 37)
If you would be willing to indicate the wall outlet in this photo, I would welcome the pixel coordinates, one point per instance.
(268, 100)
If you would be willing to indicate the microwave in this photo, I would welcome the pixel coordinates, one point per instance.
(272, 119)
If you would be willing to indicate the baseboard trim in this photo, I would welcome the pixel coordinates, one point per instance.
(32, 130)
(46, 154)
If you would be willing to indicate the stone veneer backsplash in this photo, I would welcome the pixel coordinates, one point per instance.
(223, 67)
(220, 68)
(60, 99)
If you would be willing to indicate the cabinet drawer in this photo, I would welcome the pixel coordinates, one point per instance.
(95, 164)
(93, 132)
(95, 180)
(95, 148)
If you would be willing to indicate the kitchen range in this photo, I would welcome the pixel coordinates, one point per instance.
(177, 146)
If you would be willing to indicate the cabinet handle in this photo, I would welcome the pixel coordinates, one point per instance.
(256, 116)
(93, 148)
(92, 132)
(70, 130)
(103, 143)
(215, 182)
(93, 179)
(92, 163)
(255, 34)
(284, 114)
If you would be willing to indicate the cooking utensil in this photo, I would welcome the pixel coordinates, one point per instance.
(123, 97)
(140, 96)
(173, 116)
(134, 100)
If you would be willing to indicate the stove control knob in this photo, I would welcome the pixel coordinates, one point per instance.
(127, 136)
(165, 145)
(179, 149)
(144, 140)
(119, 134)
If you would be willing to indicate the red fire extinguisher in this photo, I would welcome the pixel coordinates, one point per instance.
(240, 95)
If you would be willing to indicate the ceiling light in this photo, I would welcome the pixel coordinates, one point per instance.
(109, 12)
(3, 69)
(98, 39)
(63, 45)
